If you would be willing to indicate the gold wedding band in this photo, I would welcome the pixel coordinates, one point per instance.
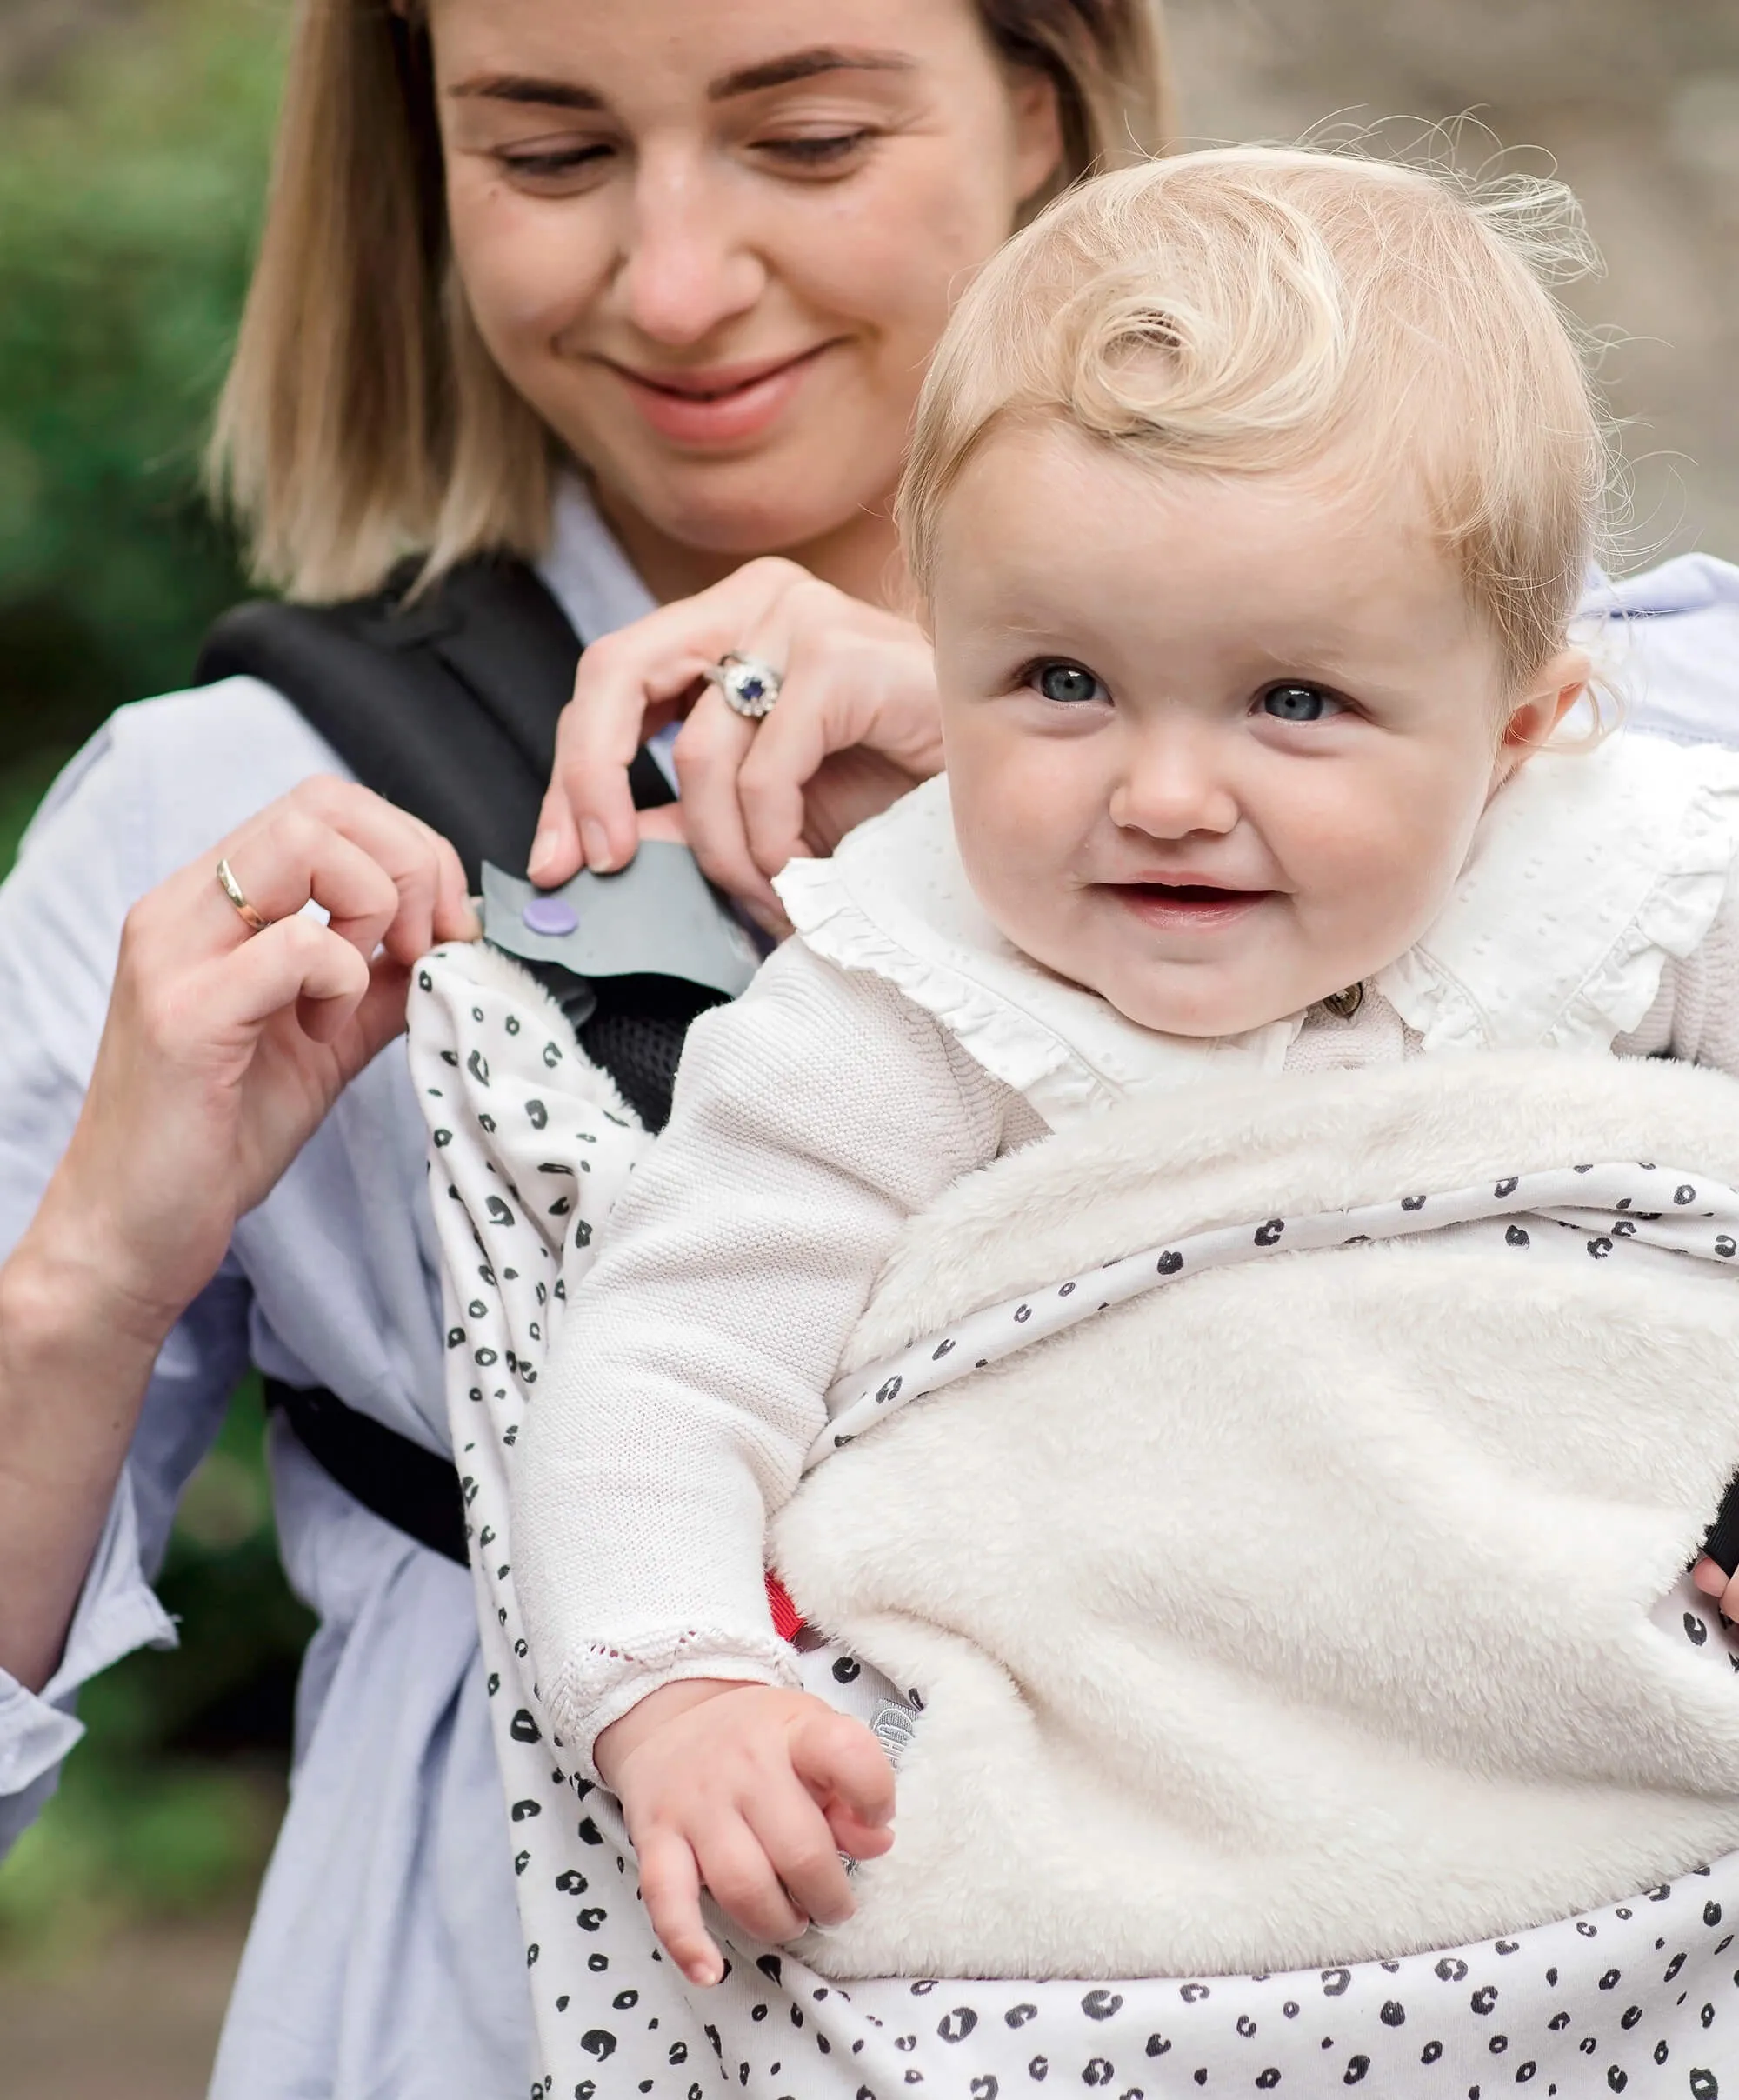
(237, 896)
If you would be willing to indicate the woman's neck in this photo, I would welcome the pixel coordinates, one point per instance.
(861, 558)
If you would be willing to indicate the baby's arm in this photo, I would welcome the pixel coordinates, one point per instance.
(688, 1382)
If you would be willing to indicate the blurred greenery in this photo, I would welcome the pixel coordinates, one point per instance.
(130, 184)
(130, 191)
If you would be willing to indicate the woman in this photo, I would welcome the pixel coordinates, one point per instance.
(706, 252)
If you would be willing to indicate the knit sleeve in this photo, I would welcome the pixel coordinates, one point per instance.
(810, 1120)
(1695, 1016)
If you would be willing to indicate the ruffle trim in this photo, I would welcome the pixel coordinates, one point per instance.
(1698, 849)
(1012, 1045)
(598, 1687)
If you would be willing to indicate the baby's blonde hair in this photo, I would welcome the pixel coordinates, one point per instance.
(1252, 309)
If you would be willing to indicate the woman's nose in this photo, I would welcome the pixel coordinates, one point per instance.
(1171, 786)
(684, 269)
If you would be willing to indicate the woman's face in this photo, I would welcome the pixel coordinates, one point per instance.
(714, 245)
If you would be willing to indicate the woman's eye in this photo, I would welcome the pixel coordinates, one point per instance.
(824, 151)
(1067, 683)
(1299, 703)
(557, 166)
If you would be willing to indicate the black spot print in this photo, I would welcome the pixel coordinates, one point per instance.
(1193, 1994)
(499, 1213)
(1023, 1314)
(1506, 1187)
(442, 1139)
(1356, 2069)
(957, 2025)
(1266, 2081)
(1039, 2070)
(1431, 2052)
(1517, 1238)
(846, 1669)
(1099, 2071)
(1101, 2004)
(537, 1114)
(889, 1391)
(1412, 1202)
(1726, 1246)
(522, 1811)
(1158, 2046)
(1394, 2014)
(1600, 1248)
(1169, 1263)
(1334, 1982)
(1684, 1194)
(598, 2042)
(1697, 1632)
(1703, 2085)
(477, 1065)
(1017, 2016)
(524, 1729)
(1484, 1999)
(1267, 1235)
(942, 1349)
(424, 982)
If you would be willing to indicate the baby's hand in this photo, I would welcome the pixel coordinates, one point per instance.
(753, 1793)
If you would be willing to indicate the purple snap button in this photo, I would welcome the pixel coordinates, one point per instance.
(550, 916)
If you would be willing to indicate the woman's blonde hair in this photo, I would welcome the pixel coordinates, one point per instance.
(363, 419)
(1253, 308)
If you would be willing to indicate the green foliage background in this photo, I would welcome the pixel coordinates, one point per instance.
(131, 185)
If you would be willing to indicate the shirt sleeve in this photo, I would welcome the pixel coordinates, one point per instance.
(811, 1119)
(85, 859)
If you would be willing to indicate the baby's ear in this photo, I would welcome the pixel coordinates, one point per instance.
(1560, 684)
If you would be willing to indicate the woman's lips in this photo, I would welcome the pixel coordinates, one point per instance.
(1200, 906)
(718, 407)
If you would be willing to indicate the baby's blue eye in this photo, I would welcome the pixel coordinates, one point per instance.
(1067, 683)
(1298, 703)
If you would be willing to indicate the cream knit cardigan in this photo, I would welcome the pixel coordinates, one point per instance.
(898, 1044)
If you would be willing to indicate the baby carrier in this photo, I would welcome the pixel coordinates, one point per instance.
(532, 1137)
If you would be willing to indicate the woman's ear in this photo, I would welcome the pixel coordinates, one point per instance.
(1038, 131)
(1561, 684)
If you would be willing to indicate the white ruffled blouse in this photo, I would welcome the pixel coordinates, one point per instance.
(900, 1041)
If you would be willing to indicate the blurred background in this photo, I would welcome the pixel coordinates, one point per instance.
(133, 143)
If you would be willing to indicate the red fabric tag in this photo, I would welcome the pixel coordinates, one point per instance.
(786, 1621)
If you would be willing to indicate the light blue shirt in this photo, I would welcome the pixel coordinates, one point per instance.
(385, 1960)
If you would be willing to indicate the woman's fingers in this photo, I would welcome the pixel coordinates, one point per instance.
(709, 754)
(384, 877)
(628, 686)
(1714, 1581)
(670, 1887)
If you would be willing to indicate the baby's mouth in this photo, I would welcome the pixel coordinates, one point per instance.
(1192, 904)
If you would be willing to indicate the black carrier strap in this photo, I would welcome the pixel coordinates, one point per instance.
(447, 706)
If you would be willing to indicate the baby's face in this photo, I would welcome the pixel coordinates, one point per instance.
(1216, 746)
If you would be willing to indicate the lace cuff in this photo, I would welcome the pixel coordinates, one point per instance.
(607, 1680)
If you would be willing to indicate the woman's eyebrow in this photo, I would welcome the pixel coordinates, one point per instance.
(524, 88)
(549, 94)
(805, 65)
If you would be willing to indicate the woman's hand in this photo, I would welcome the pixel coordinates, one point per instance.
(224, 1049)
(221, 1052)
(752, 1793)
(855, 726)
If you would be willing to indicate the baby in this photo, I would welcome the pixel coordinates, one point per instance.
(1251, 496)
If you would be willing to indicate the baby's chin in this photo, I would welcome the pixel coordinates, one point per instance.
(1190, 1003)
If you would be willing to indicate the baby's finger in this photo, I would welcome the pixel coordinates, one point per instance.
(793, 1833)
(670, 1886)
(855, 1839)
(735, 1868)
(839, 1760)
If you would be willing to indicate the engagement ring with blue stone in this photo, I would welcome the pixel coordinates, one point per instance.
(749, 686)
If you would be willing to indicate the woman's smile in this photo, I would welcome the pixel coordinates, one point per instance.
(717, 406)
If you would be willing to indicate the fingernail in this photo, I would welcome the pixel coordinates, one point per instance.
(594, 842)
(542, 846)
